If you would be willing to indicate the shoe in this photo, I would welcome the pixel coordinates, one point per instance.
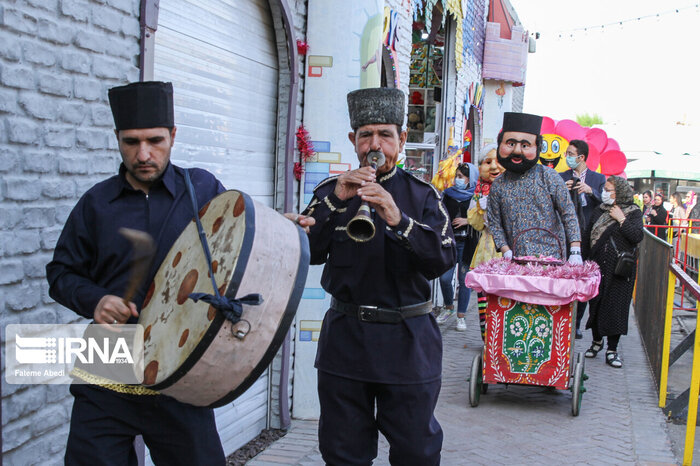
(445, 315)
(612, 359)
(461, 324)
(579, 334)
(437, 310)
(592, 352)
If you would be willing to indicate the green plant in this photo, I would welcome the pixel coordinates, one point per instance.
(589, 120)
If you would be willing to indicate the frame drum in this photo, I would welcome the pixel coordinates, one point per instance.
(193, 353)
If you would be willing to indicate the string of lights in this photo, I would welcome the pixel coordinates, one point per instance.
(569, 33)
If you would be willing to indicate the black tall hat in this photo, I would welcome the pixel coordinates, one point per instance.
(522, 123)
(378, 105)
(142, 105)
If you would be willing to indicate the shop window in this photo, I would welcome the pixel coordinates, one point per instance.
(425, 95)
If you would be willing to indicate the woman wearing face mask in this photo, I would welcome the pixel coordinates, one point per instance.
(489, 170)
(659, 216)
(616, 226)
(456, 199)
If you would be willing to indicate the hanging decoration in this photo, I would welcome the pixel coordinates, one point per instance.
(391, 32)
(451, 7)
(302, 47)
(306, 150)
(298, 170)
(569, 33)
(304, 144)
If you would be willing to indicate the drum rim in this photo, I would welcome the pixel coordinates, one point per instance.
(231, 290)
(282, 330)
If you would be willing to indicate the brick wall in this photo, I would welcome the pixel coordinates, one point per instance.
(57, 60)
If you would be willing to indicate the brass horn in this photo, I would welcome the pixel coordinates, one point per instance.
(361, 227)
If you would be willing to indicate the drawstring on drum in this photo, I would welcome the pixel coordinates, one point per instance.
(231, 308)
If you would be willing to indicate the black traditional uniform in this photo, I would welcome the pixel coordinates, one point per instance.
(91, 260)
(375, 352)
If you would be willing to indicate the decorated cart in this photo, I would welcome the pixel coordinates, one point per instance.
(529, 314)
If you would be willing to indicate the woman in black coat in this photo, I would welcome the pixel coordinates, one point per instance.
(658, 216)
(615, 224)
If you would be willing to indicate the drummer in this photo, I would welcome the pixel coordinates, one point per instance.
(379, 344)
(529, 195)
(90, 270)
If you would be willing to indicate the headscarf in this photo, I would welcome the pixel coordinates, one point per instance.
(465, 194)
(624, 199)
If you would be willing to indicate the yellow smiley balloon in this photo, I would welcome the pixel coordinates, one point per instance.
(553, 152)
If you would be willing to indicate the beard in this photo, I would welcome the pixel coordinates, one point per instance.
(153, 173)
(524, 165)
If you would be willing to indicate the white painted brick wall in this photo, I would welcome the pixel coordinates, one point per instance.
(57, 60)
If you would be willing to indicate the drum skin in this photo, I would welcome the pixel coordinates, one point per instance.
(190, 350)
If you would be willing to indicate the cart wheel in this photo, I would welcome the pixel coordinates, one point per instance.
(475, 382)
(580, 358)
(577, 389)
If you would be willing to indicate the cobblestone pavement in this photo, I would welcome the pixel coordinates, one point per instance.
(619, 422)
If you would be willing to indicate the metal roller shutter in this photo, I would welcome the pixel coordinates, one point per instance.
(221, 57)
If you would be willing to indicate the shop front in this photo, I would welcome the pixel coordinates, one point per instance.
(431, 73)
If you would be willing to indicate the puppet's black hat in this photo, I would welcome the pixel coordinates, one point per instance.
(142, 105)
(522, 123)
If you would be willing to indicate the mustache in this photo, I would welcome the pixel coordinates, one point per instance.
(145, 164)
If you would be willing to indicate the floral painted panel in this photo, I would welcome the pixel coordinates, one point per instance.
(527, 343)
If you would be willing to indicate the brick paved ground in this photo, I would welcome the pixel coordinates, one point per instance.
(619, 421)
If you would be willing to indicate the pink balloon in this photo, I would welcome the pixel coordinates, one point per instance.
(612, 162)
(612, 145)
(547, 126)
(593, 159)
(623, 174)
(598, 138)
(569, 129)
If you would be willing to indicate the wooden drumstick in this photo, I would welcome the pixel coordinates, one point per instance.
(144, 250)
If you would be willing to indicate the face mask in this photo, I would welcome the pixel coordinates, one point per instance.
(571, 162)
(607, 199)
(460, 183)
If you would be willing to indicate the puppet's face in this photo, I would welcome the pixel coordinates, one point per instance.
(489, 168)
(552, 152)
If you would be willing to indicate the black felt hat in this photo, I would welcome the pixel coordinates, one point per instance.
(522, 123)
(146, 104)
(379, 105)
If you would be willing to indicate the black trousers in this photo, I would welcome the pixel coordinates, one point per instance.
(104, 424)
(348, 427)
(580, 310)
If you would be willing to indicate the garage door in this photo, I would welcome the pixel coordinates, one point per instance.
(221, 57)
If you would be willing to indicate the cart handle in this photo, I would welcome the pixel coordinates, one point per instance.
(515, 240)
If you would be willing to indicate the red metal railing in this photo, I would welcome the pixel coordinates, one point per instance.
(684, 236)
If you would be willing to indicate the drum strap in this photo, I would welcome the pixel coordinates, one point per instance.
(231, 308)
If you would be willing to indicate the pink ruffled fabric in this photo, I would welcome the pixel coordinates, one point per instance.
(536, 283)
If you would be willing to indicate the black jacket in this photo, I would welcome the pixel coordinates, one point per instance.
(608, 312)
